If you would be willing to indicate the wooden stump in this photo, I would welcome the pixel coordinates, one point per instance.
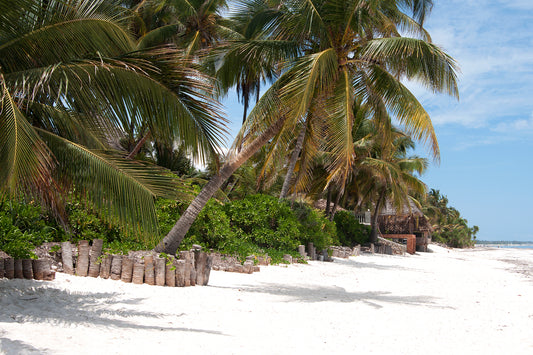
(200, 261)
(94, 263)
(105, 266)
(138, 272)
(27, 269)
(170, 273)
(149, 276)
(42, 271)
(116, 267)
(2, 273)
(127, 269)
(186, 257)
(311, 251)
(180, 272)
(301, 251)
(19, 274)
(287, 258)
(159, 271)
(82, 265)
(9, 268)
(66, 257)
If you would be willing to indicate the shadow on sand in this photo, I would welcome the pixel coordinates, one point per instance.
(37, 302)
(312, 294)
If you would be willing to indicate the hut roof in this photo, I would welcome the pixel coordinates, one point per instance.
(391, 224)
(407, 210)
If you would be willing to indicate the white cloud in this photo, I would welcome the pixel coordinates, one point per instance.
(518, 126)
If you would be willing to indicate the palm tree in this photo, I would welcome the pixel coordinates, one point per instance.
(348, 51)
(388, 174)
(71, 78)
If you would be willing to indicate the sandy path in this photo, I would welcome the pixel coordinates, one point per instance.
(447, 302)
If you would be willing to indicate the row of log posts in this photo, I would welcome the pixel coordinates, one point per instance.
(192, 268)
(26, 269)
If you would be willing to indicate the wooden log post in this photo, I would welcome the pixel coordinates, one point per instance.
(311, 251)
(138, 272)
(192, 266)
(105, 266)
(116, 267)
(200, 263)
(185, 256)
(82, 265)
(9, 268)
(170, 272)
(180, 272)
(149, 275)
(42, 271)
(27, 269)
(127, 269)
(66, 258)
(287, 258)
(301, 251)
(160, 269)
(94, 261)
(2, 272)
(19, 274)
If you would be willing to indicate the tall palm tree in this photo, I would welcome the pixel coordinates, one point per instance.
(389, 174)
(70, 78)
(348, 51)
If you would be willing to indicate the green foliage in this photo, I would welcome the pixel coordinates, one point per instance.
(263, 220)
(23, 226)
(315, 227)
(349, 230)
(448, 225)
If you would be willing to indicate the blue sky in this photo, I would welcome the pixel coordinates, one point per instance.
(485, 138)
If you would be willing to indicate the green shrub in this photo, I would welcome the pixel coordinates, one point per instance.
(350, 232)
(264, 221)
(211, 229)
(23, 226)
(315, 227)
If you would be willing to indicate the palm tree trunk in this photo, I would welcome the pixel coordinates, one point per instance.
(172, 240)
(292, 163)
(138, 146)
(334, 209)
(328, 200)
(375, 227)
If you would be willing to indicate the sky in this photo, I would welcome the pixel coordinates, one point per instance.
(485, 138)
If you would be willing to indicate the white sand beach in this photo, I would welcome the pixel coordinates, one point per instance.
(446, 302)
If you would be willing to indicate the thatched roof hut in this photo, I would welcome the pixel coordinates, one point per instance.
(410, 220)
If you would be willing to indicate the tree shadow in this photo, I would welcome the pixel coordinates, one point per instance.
(16, 347)
(37, 302)
(353, 263)
(313, 294)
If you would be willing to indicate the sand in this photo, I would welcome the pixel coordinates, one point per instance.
(446, 302)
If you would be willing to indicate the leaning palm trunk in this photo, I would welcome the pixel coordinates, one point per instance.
(292, 163)
(375, 227)
(173, 239)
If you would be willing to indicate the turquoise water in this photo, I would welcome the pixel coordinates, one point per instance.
(529, 246)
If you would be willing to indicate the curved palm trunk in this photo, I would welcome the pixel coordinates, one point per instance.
(173, 239)
(292, 163)
(335, 205)
(375, 228)
(138, 146)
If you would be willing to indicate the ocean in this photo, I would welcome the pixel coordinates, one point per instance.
(526, 246)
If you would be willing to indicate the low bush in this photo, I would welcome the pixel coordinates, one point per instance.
(350, 232)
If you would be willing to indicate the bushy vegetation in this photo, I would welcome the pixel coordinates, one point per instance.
(23, 226)
(449, 227)
(349, 230)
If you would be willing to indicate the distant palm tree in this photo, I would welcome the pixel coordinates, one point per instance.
(71, 78)
(346, 52)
